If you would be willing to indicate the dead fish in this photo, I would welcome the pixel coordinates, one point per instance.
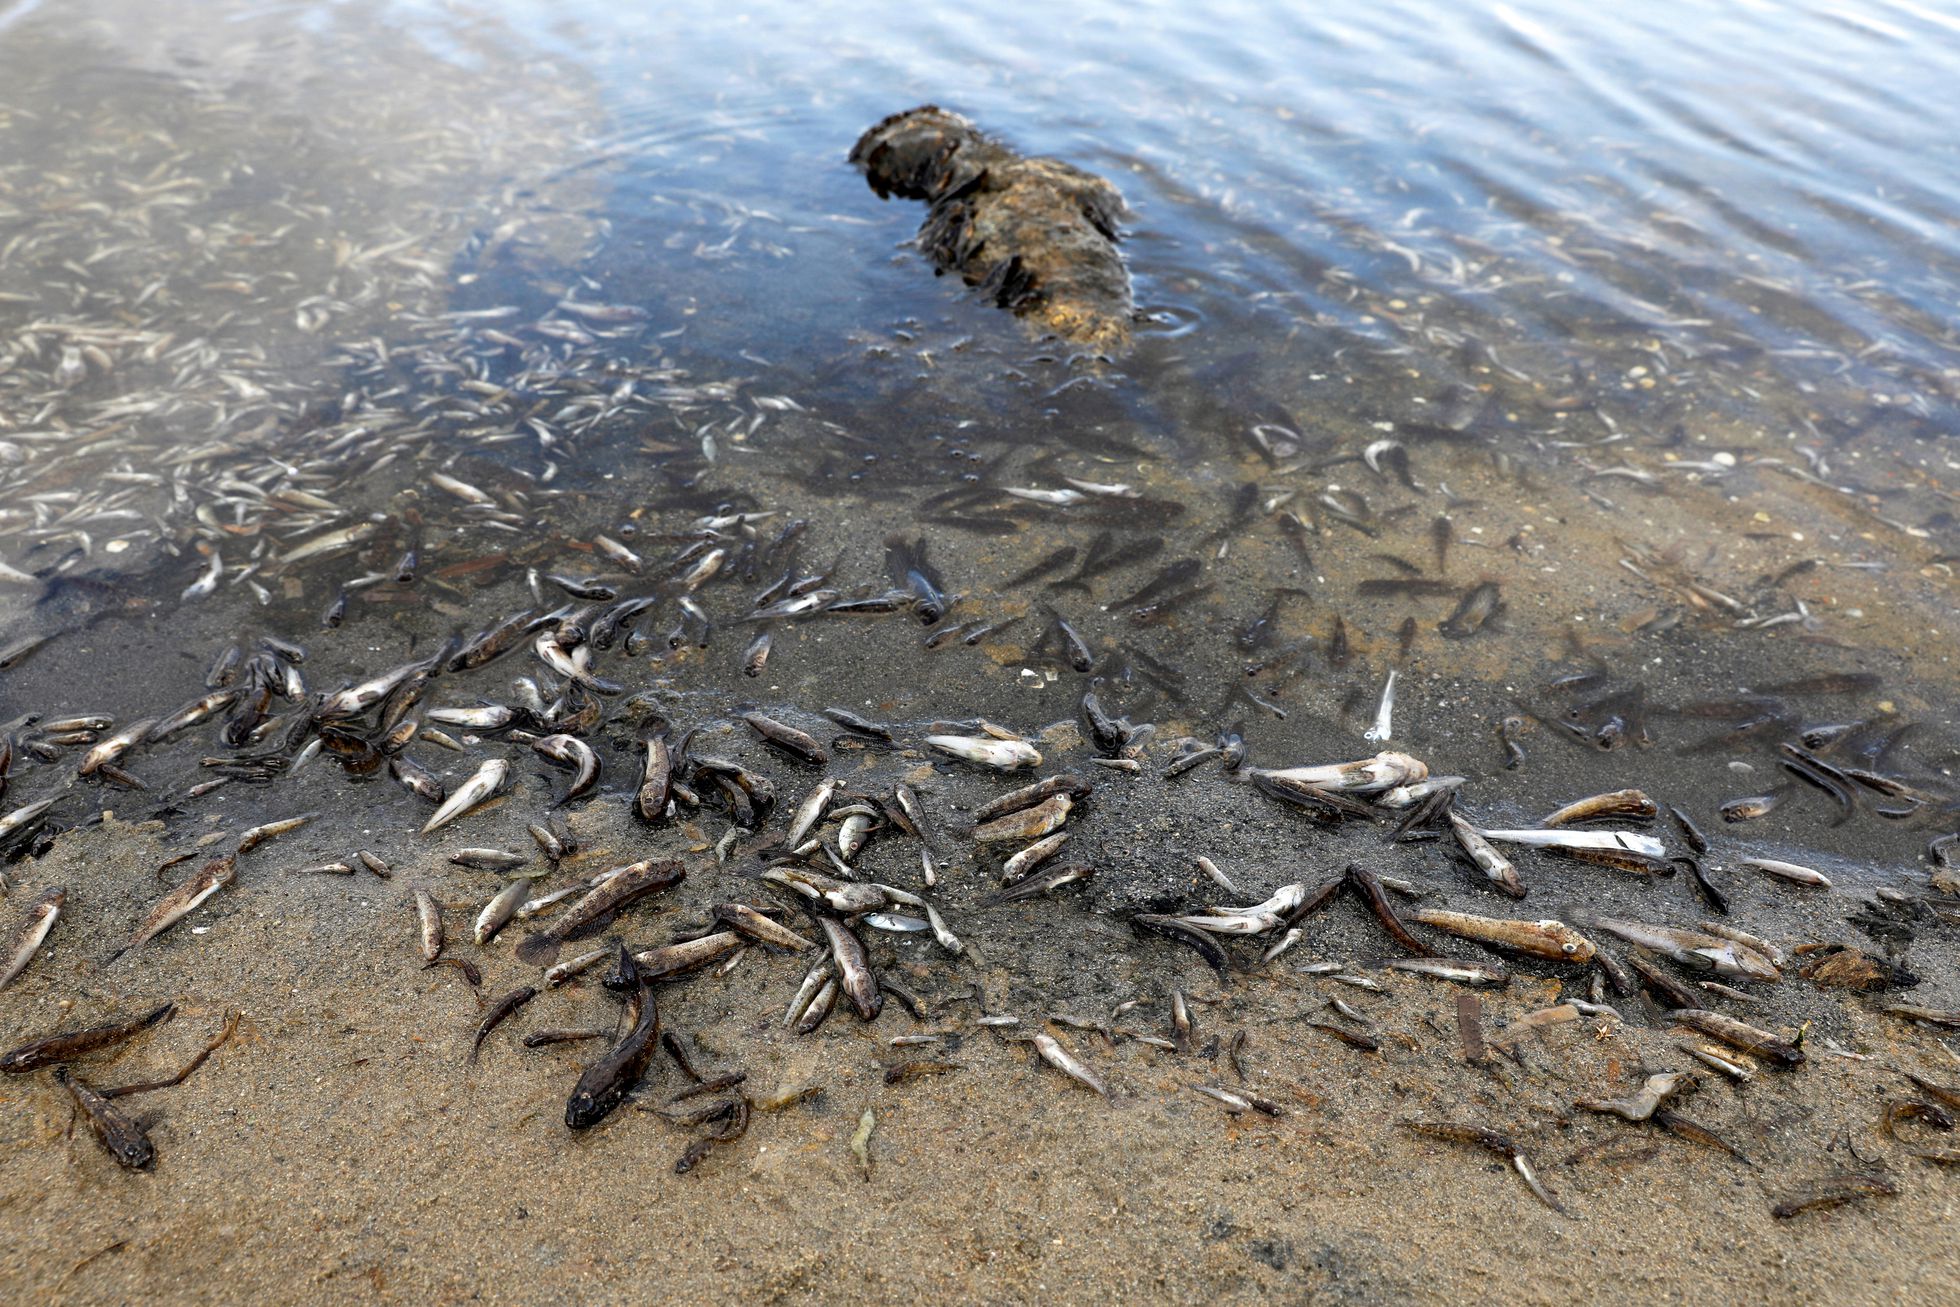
(1833, 1191)
(842, 896)
(1644, 1102)
(1046, 882)
(1031, 823)
(499, 1011)
(854, 972)
(761, 928)
(1789, 871)
(126, 1141)
(1474, 611)
(69, 1045)
(1628, 804)
(1503, 1145)
(41, 916)
(570, 751)
(795, 743)
(1497, 868)
(986, 751)
(1749, 809)
(810, 812)
(258, 835)
(1462, 973)
(111, 750)
(1062, 1060)
(1691, 948)
(688, 955)
(605, 1084)
(656, 781)
(500, 911)
(624, 886)
(1548, 938)
(1368, 776)
(488, 782)
(429, 916)
(1740, 1035)
(1030, 795)
(417, 779)
(488, 859)
(182, 901)
(1570, 841)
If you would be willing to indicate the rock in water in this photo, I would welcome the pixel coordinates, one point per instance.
(1037, 236)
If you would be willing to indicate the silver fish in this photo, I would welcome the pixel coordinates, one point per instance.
(574, 753)
(112, 749)
(182, 901)
(810, 812)
(986, 751)
(430, 918)
(500, 911)
(41, 916)
(1497, 868)
(1063, 1061)
(480, 788)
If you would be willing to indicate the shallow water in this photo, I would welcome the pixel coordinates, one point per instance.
(1652, 312)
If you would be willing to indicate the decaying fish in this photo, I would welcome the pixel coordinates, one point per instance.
(590, 914)
(27, 941)
(479, 789)
(1548, 938)
(125, 1140)
(182, 901)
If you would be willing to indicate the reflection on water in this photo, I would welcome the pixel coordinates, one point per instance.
(1586, 370)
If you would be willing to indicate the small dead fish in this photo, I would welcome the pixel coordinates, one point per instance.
(1062, 1060)
(859, 982)
(1566, 841)
(1789, 871)
(499, 911)
(590, 914)
(1497, 868)
(986, 751)
(1548, 938)
(487, 859)
(1833, 1191)
(126, 1141)
(605, 1084)
(258, 835)
(1749, 809)
(795, 743)
(1031, 823)
(1462, 973)
(182, 901)
(417, 779)
(760, 928)
(111, 750)
(1631, 805)
(570, 751)
(810, 812)
(1740, 1035)
(429, 917)
(1474, 611)
(1030, 795)
(1044, 883)
(499, 1011)
(489, 781)
(1696, 949)
(69, 1045)
(1644, 1102)
(1490, 1140)
(41, 916)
